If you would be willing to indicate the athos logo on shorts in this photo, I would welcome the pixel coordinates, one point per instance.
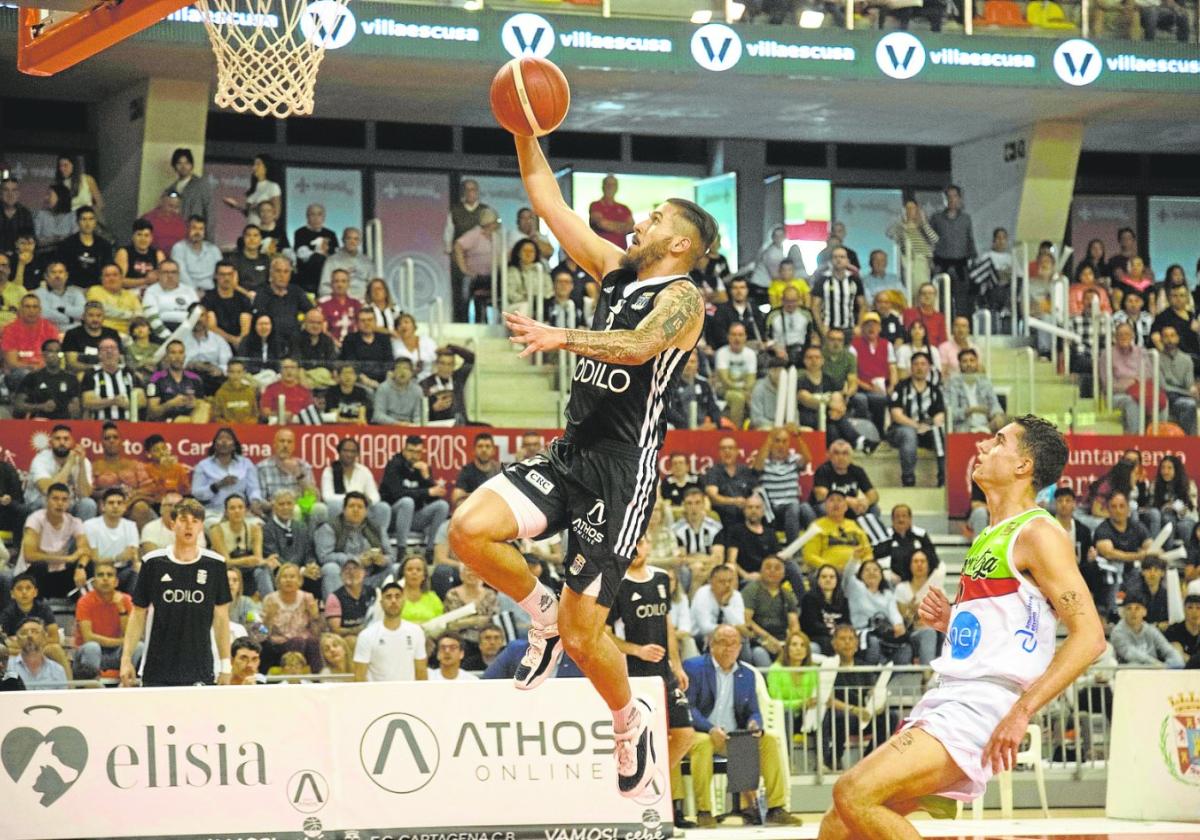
(1077, 62)
(964, 635)
(527, 34)
(596, 514)
(900, 55)
(399, 752)
(328, 24)
(589, 528)
(540, 482)
(591, 372)
(716, 47)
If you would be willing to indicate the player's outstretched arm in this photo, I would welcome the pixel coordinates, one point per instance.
(675, 321)
(595, 255)
(1044, 552)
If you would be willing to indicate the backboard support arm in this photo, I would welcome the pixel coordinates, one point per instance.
(54, 48)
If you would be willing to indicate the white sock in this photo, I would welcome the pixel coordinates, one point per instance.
(625, 718)
(541, 605)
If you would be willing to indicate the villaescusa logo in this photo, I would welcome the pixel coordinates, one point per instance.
(900, 55)
(1179, 738)
(328, 24)
(1078, 62)
(527, 34)
(716, 47)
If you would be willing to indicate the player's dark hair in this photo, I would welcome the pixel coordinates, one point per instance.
(484, 436)
(963, 353)
(354, 494)
(1066, 491)
(1043, 441)
(142, 224)
(693, 491)
(237, 444)
(27, 577)
(57, 487)
(700, 219)
(110, 492)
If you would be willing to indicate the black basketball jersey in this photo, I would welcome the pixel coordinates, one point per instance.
(623, 403)
(181, 598)
(640, 617)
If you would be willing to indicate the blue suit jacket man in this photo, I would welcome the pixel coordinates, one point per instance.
(702, 693)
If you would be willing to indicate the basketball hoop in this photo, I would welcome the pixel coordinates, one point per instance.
(268, 51)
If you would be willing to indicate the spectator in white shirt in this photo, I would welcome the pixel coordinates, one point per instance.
(112, 537)
(450, 657)
(392, 649)
(737, 368)
(718, 602)
(169, 299)
(196, 256)
(346, 474)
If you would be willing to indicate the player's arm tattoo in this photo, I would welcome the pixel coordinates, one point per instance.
(679, 309)
(902, 742)
(1069, 603)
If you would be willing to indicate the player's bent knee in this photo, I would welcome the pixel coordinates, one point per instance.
(849, 794)
(832, 827)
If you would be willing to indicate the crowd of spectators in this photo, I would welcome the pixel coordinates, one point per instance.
(165, 326)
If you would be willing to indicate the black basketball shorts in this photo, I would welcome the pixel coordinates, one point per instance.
(601, 495)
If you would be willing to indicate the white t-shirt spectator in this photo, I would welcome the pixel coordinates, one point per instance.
(45, 465)
(108, 543)
(390, 655)
(738, 364)
(171, 304)
(435, 675)
(50, 539)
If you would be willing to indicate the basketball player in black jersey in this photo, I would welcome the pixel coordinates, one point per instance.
(641, 628)
(599, 479)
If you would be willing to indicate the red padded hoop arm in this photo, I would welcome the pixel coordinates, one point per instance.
(84, 34)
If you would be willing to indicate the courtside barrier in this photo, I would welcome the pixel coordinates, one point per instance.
(434, 761)
(1154, 768)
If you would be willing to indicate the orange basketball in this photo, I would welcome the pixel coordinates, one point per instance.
(1165, 429)
(530, 96)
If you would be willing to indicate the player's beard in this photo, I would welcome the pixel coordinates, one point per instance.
(639, 257)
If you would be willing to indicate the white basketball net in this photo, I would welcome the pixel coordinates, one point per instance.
(268, 52)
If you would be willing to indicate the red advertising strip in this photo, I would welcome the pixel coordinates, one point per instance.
(448, 450)
(1091, 457)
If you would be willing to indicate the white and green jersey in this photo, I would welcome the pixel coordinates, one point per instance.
(1001, 625)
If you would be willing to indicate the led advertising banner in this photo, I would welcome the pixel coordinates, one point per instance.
(1173, 226)
(340, 191)
(437, 33)
(412, 207)
(807, 206)
(718, 196)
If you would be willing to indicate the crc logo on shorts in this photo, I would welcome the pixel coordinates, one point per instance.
(328, 24)
(716, 47)
(399, 752)
(964, 635)
(527, 34)
(1077, 62)
(578, 563)
(900, 55)
(540, 482)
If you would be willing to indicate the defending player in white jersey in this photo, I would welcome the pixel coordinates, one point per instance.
(998, 665)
